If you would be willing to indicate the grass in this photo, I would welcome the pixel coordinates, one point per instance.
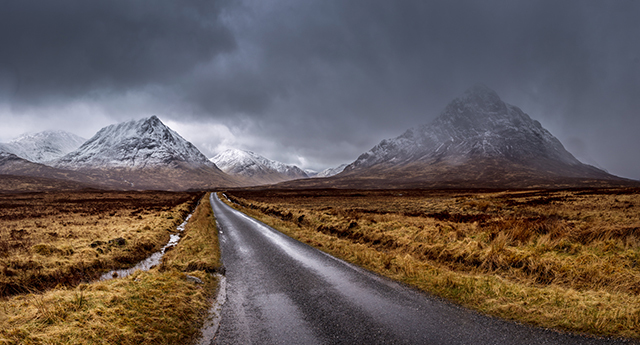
(568, 260)
(51, 239)
(199, 249)
(160, 306)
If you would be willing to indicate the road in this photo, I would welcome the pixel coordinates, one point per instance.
(281, 291)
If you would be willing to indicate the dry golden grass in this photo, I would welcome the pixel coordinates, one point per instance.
(561, 259)
(63, 238)
(160, 306)
(198, 249)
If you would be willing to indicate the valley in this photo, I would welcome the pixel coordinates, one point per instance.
(320, 172)
(563, 259)
(482, 206)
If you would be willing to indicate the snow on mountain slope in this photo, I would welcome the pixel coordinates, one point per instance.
(146, 143)
(476, 137)
(310, 172)
(478, 124)
(43, 146)
(256, 167)
(332, 171)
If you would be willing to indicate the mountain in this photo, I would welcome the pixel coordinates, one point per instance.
(144, 154)
(310, 172)
(331, 171)
(477, 141)
(146, 143)
(43, 146)
(256, 169)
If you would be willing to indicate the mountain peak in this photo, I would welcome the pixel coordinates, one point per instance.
(153, 120)
(144, 143)
(476, 104)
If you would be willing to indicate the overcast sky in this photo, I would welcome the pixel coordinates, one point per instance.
(316, 83)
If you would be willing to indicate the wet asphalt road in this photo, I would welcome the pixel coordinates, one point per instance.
(280, 291)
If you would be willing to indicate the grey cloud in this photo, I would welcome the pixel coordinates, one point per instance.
(326, 72)
(70, 48)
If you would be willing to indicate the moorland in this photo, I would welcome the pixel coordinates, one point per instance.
(54, 246)
(566, 259)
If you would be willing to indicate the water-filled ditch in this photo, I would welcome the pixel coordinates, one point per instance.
(152, 260)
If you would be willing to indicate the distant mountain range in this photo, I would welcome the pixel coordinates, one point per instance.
(143, 154)
(478, 141)
(44, 146)
(254, 168)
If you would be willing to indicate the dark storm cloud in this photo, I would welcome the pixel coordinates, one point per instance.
(63, 49)
(327, 73)
(322, 81)
(333, 73)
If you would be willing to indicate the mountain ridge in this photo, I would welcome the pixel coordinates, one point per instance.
(43, 146)
(254, 168)
(477, 141)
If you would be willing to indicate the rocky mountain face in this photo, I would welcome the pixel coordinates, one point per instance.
(254, 168)
(478, 140)
(331, 171)
(43, 146)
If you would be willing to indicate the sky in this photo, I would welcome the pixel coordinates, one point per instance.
(316, 83)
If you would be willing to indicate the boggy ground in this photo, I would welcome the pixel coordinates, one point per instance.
(165, 305)
(567, 259)
(63, 238)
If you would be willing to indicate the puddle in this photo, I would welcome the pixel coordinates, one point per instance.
(211, 324)
(151, 261)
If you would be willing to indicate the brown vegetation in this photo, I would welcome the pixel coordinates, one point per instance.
(165, 305)
(64, 238)
(22, 184)
(566, 259)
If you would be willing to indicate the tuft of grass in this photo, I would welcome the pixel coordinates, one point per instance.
(559, 259)
(160, 306)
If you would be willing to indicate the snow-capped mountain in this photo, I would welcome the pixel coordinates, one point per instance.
(145, 143)
(144, 154)
(310, 172)
(255, 168)
(331, 171)
(477, 138)
(43, 146)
